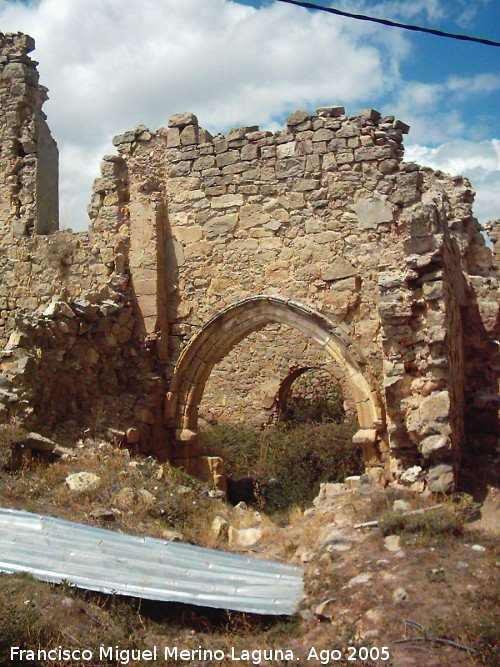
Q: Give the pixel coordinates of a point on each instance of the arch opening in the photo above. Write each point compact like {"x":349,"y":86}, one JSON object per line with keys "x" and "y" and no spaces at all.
{"x":312,"y":393}
{"x":231,"y":326}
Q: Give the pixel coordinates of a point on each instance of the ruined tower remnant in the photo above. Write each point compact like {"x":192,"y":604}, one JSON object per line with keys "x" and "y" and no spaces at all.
{"x":321,"y":231}
{"x":28,"y":153}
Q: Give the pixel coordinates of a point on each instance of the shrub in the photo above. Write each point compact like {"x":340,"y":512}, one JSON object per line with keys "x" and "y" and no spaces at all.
{"x":316,"y":405}
{"x":435,"y":522}
{"x":480,"y":622}
{"x":287,"y":463}
{"x":10,"y":435}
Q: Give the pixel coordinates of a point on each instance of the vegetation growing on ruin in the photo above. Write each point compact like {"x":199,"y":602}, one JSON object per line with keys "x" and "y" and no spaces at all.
{"x":316,"y":405}
{"x":311,"y":444}
{"x":288,"y":462}
{"x":443,"y":521}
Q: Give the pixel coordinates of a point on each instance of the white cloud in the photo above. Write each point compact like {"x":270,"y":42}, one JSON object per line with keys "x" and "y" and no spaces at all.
{"x":478,"y":161}
{"x":432,"y":10}
{"x":113,"y":64}
{"x":436,"y":111}
{"x":481,"y":83}
{"x":78,"y":166}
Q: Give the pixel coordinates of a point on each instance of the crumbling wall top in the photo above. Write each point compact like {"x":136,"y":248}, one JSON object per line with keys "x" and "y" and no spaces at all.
{"x":28,"y":153}
{"x":16,"y":44}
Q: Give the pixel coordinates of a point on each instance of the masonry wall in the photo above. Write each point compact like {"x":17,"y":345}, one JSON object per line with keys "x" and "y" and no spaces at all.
{"x":245,"y":385}
{"x":47,"y":180}
{"x":325,"y":213}
{"x":383,"y":258}
{"x":258,"y":213}
{"x":28,"y":157}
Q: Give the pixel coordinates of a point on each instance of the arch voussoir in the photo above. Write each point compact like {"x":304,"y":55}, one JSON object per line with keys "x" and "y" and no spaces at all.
{"x":231,"y":326}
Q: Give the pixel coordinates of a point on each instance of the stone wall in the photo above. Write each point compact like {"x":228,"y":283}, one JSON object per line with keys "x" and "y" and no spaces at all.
{"x":245,"y":385}
{"x":249,"y":256}
{"x":28,"y":153}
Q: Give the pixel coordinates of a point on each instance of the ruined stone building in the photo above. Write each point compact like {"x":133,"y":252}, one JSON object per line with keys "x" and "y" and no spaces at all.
{"x":251,"y":257}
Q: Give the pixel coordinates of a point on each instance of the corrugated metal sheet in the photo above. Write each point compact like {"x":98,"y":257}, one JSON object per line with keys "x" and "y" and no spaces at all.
{"x":56,"y":550}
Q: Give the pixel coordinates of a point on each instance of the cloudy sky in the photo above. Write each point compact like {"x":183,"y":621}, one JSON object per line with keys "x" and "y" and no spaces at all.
{"x":113,"y":64}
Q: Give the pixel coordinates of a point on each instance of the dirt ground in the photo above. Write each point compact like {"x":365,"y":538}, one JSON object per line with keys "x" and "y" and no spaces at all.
{"x":405,"y":593}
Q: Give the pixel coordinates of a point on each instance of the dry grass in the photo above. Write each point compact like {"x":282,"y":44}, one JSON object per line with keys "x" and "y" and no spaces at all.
{"x":449,"y":599}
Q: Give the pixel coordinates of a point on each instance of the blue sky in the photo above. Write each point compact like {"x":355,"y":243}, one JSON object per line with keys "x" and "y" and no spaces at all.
{"x":113,"y":64}
{"x":431,"y":60}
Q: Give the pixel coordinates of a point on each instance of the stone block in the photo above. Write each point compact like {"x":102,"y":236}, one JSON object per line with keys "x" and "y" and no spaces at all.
{"x":126,"y":138}
{"x":286,"y":150}
{"x":289,"y":167}
{"x":204,"y":137}
{"x":296,"y":118}
{"x":344,"y":156}
{"x":213,"y":469}
{"x":423,"y":222}
{"x":229,"y":157}
{"x":82,"y":481}
{"x":365,"y":436}
{"x":204,"y":162}
{"x":182,"y":120}
{"x":441,"y":479}
{"x":220,"y":145}
{"x":390,"y":280}
{"x":220,"y":226}
{"x":399,"y":125}
{"x":249,"y":152}
{"x":370,"y":153}
{"x":388,"y":166}
{"x":306,"y":184}
{"x":189,"y":135}
{"x":129,"y":498}
{"x":436,"y":447}
{"x":329,"y":492}
{"x":244,"y":537}
{"x":331,"y":111}
{"x":373,"y":212}
{"x":323,"y":135}
{"x":370,"y":114}
{"x":339,"y":269}
{"x":436,"y":407}
{"x":411,"y":475}
{"x":179,"y":169}
{"x":227,"y":201}
{"x":220,"y":527}
{"x":133,"y":435}
{"x":252,"y":215}
{"x":236,"y":133}
{"x":17,"y":339}
{"x":329,"y":162}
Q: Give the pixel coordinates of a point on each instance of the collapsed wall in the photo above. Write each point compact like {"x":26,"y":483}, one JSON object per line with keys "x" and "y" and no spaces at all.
{"x":354,"y":258}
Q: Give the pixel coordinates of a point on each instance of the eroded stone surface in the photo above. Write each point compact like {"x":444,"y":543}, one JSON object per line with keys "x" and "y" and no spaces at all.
{"x":372,"y":270}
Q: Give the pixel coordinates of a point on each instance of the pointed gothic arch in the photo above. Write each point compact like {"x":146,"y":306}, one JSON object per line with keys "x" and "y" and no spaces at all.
{"x":231,"y":326}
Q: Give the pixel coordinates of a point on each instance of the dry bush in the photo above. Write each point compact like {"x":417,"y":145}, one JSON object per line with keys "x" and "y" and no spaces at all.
{"x":288,"y":463}
{"x":10,"y":435}
{"x":436,"y":522}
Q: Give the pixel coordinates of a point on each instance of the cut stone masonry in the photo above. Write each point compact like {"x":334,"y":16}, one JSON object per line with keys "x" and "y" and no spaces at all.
{"x":319,"y":237}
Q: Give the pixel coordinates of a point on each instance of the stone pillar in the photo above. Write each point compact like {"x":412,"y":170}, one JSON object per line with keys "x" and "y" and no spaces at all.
{"x":148,"y":265}
{"x":28,"y":153}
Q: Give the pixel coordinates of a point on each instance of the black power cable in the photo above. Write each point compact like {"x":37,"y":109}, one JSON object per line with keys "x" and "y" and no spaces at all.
{"x":392,"y":24}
